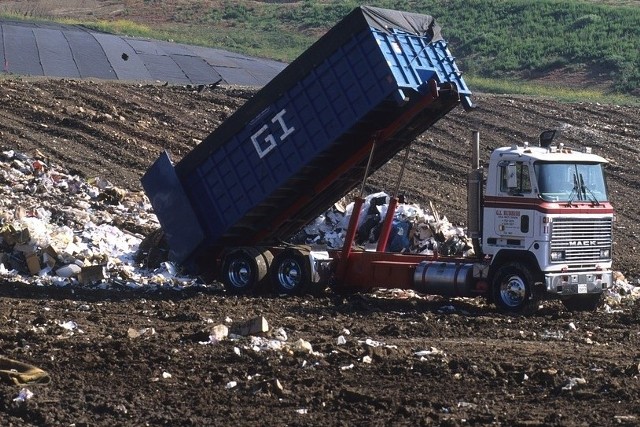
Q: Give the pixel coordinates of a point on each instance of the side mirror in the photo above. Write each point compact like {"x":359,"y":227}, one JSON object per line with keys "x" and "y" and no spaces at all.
{"x":546,"y":137}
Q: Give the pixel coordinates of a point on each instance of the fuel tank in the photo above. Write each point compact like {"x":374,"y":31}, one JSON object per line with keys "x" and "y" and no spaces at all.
{"x":445,"y":278}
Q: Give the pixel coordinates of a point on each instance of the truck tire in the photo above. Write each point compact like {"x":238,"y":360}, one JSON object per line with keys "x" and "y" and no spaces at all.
{"x":588,"y":302}
{"x":291,"y":272}
{"x":513,"y":289}
{"x":244,"y":269}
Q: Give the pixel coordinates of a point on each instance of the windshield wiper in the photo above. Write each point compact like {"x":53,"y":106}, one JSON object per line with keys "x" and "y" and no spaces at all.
{"x":586,"y":190}
{"x":574,"y":191}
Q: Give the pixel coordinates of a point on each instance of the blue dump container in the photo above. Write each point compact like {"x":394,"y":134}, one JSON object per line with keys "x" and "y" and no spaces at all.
{"x":303,"y":141}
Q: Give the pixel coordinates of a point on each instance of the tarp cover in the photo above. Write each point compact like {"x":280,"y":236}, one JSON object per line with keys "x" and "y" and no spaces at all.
{"x":415,"y":23}
{"x":55,"y":54}
{"x":56,"y":50}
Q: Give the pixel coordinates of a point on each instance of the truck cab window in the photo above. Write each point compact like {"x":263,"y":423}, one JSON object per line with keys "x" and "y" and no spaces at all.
{"x":520,"y":181}
{"x":563,"y":182}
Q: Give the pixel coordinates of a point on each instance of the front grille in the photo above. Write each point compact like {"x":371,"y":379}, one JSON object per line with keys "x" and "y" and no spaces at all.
{"x":582,"y":238}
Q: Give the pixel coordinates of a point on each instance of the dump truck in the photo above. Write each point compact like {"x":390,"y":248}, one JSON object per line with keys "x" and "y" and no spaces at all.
{"x":357,"y":97}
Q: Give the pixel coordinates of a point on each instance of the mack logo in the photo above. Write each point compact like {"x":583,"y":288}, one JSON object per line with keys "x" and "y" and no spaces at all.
{"x":583,"y":243}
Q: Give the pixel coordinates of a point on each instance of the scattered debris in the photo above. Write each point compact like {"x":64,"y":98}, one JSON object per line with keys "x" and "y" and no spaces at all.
{"x":375,"y":344}
{"x":431,"y":352}
{"x":280,"y":334}
{"x":621,"y":292}
{"x":573,"y":383}
{"x":469,"y":405}
{"x":16,"y":372}
{"x":302,"y":346}
{"x":219,"y":332}
{"x":137,"y":333}
{"x":252,"y":326}
{"x":271,"y":386}
{"x":69,"y":325}
{"x":551,"y":335}
{"x":626,"y":419}
{"x":261,"y":344}
{"x":24,"y":395}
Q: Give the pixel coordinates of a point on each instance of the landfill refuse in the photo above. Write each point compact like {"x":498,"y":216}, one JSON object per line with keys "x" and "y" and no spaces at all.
{"x":59,"y":229}
{"x":25,"y":394}
{"x":17,"y":372}
{"x":414,"y":230}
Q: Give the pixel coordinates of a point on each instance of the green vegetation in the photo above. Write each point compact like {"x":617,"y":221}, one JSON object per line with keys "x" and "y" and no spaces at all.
{"x":559,"y":93}
{"x":491,"y":39}
{"x":526,"y":37}
{"x":122,"y":26}
{"x":518,"y":39}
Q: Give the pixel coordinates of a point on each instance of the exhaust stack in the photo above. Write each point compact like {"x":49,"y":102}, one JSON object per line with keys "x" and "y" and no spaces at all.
{"x":475,"y":179}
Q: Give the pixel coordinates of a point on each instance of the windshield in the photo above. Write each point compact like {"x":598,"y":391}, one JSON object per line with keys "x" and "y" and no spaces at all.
{"x":569,"y":182}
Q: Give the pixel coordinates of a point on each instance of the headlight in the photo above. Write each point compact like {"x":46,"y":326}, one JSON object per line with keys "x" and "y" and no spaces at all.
{"x":605,"y":253}
{"x":557,"y":256}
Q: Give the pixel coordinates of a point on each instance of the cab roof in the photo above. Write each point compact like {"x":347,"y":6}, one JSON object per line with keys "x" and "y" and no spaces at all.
{"x":547,"y":154}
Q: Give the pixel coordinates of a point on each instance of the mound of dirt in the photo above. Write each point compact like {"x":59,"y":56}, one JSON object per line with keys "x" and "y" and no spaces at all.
{"x":143,"y":357}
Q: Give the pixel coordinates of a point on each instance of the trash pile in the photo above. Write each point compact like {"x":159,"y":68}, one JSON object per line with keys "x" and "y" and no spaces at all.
{"x":622,"y":292}
{"x":59,"y":229}
{"x":414,"y":230}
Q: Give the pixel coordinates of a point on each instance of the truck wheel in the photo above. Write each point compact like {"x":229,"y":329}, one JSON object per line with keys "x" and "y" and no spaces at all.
{"x":243,"y":269}
{"x":513,"y":289}
{"x":588,"y":302}
{"x":291,"y":272}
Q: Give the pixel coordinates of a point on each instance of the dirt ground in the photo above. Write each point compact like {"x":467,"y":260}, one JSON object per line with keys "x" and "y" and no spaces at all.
{"x":145,"y":357}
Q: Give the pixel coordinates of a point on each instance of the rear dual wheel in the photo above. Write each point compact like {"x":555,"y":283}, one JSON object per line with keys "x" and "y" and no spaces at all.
{"x":245,"y":270}
{"x":291,"y":272}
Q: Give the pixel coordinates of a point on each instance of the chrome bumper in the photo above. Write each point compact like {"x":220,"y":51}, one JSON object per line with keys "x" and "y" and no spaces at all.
{"x":589,"y":282}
